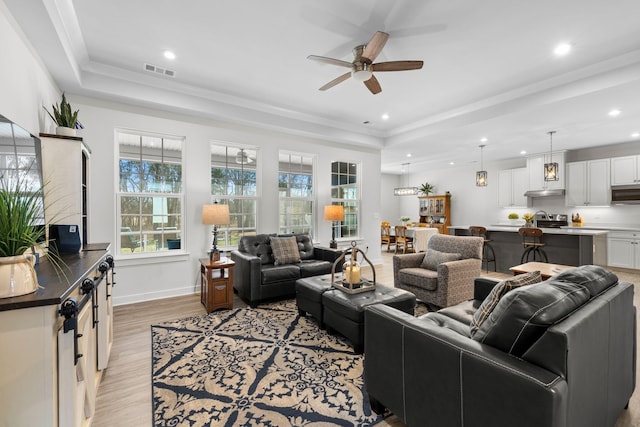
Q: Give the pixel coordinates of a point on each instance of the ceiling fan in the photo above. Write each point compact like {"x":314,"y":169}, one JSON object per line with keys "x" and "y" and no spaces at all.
{"x":362,"y":67}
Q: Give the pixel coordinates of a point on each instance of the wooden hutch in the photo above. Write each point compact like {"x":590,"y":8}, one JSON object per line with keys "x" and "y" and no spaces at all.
{"x":436,"y":211}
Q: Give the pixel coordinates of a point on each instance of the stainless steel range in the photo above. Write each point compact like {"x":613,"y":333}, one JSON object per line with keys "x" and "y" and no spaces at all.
{"x":545,"y":220}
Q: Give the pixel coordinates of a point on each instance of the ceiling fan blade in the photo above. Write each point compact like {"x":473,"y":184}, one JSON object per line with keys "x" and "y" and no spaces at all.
{"x":335,"y":81}
{"x":375,"y":45}
{"x":331,"y":61}
{"x":373,"y":85}
{"x":397,"y":65}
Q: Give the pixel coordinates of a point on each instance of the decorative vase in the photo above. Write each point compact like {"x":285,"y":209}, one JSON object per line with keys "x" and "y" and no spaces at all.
{"x":65,"y":131}
{"x":17,"y":276}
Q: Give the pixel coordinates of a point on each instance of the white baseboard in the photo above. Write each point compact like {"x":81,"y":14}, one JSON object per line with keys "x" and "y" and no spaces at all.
{"x":150,"y":296}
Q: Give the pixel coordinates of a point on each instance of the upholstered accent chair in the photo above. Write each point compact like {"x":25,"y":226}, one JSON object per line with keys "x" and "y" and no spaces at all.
{"x":444,"y":275}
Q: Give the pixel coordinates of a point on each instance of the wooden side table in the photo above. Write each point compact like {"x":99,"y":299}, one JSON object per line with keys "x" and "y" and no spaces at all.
{"x":216,"y":284}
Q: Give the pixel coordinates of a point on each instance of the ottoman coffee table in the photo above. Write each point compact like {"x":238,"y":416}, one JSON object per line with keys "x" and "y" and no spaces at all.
{"x":344,"y":312}
{"x":309,"y":292}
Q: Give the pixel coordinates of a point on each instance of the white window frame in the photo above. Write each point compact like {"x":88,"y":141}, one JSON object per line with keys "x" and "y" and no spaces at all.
{"x":229,"y":234}
{"x":141,"y":237}
{"x":288,"y":199}
{"x":352,"y":206}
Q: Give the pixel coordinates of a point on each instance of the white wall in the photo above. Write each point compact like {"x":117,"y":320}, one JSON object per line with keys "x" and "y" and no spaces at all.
{"x":142,"y":278}
{"x":390,"y":206}
{"x":25,"y":84}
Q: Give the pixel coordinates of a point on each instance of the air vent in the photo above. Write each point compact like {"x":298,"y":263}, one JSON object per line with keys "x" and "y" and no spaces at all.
{"x":159,"y":70}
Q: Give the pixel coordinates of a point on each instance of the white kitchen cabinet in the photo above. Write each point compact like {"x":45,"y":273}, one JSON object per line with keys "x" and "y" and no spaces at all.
{"x":512,"y":184}
{"x":623,"y":248}
{"x":588,"y":183}
{"x":535,"y":167}
{"x":625,"y":170}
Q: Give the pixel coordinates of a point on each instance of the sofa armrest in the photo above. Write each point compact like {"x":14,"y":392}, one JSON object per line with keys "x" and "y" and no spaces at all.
{"x":323,"y":253}
{"x":482,"y":286}
{"x":247,"y":275}
{"x":456,"y":279}
{"x":423,"y":369}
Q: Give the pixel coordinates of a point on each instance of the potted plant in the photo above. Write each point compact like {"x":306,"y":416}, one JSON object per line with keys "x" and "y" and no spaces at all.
{"x":404,"y":220}
{"x":528,"y":219}
{"x":513,"y":217}
{"x":65,"y":118}
{"x":20,"y":208}
{"x":426,"y":189}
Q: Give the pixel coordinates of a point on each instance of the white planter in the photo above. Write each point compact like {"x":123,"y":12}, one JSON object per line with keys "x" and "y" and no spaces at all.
{"x":17,"y":276}
{"x":65,"y":131}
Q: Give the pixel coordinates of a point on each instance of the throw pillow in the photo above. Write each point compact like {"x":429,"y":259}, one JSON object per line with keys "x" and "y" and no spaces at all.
{"x":498,"y":291}
{"x":285,"y":250}
{"x":433,"y":258}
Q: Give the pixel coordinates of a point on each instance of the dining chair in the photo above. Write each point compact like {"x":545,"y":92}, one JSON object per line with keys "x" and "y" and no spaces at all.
{"x":402,"y":240}
{"x":385,"y":235}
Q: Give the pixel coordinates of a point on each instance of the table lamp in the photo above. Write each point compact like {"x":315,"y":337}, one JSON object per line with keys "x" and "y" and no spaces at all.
{"x":333,"y":213}
{"x":216,"y":214}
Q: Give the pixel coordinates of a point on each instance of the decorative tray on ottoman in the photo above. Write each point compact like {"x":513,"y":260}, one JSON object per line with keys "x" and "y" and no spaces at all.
{"x":351,"y":280}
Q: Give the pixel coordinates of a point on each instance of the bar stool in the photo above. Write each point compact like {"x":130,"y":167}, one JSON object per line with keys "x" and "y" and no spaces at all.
{"x":532,"y":242}
{"x":488,"y":254}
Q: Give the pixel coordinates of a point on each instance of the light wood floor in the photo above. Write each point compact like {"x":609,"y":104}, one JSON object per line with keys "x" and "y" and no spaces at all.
{"x":124,"y":397}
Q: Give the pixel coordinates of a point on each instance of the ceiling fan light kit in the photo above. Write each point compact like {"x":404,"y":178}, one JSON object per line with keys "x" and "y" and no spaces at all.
{"x":362,"y":66}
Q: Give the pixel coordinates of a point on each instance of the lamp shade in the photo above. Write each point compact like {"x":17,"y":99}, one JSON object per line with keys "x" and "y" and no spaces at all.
{"x":216,"y":214}
{"x":333,"y":213}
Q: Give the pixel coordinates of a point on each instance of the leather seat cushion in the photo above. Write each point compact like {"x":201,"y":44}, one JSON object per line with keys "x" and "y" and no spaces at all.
{"x":525,"y":313}
{"x":351,"y":306}
{"x":462,"y":312}
{"x":314,"y":267}
{"x":312,"y":288}
{"x":419,"y":277}
{"x":279,"y":273}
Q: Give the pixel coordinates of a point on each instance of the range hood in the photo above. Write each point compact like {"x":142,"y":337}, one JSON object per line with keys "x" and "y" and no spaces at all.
{"x":544,"y":193}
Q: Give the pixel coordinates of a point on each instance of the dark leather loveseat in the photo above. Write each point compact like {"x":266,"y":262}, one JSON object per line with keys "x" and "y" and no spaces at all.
{"x":257,"y":277}
{"x":559,"y":353}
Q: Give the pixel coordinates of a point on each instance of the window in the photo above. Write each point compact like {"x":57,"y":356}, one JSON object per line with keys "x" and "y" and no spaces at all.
{"x":234,"y":182}
{"x":345,"y":191}
{"x":295,"y":192}
{"x":150,"y":192}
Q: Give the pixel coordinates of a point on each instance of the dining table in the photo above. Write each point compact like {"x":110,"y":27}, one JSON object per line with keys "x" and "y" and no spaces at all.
{"x":420,"y":235}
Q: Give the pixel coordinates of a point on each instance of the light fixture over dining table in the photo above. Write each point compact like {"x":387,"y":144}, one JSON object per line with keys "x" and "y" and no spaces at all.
{"x":408,"y":190}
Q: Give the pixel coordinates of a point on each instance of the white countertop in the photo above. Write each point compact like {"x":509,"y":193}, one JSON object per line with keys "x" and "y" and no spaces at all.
{"x":608,"y":227}
{"x":576,"y":231}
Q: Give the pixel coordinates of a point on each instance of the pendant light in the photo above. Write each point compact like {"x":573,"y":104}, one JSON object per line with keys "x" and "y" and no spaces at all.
{"x":481,"y":175}
{"x":405,"y":191}
{"x":551,"y":168}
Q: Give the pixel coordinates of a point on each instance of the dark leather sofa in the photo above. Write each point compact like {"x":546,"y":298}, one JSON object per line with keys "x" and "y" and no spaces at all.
{"x":256,"y":277}
{"x":560,"y":353}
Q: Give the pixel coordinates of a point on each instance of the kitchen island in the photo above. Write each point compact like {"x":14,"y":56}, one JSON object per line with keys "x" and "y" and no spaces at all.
{"x":568,"y":246}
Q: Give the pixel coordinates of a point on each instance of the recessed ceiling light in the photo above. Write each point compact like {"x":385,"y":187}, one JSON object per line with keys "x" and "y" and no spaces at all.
{"x":484,"y":140}
{"x":169,"y":55}
{"x":409,"y":154}
{"x":635,"y":134}
{"x":523,"y":152}
{"x":562,"y":49}
{"x":385,"y":116}
{"x":451,"y":163}
{"x":614,"y":113}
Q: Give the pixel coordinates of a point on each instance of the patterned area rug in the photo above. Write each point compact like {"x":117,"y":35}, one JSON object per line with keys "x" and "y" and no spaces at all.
{"x":256,"y":367}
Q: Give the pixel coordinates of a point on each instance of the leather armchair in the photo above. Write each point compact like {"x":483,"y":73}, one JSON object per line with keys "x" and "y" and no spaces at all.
{"x":452,"y":282}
